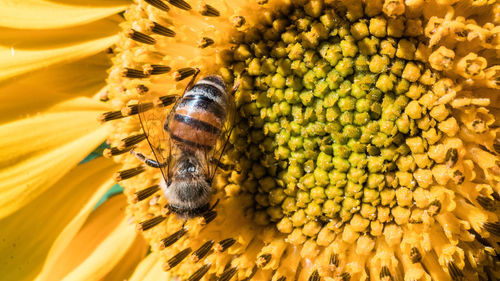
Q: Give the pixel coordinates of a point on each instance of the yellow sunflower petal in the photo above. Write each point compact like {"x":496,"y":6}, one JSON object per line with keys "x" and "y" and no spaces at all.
{"x":40,"y":14}
{"x":150,"y":269}
{"x":125,"y":266}
{"x":104,"y":239}
{"x":38,"y":151}
{"x":22,"y":51}
{"x":28,"y":234}
{"x":40,"y":90}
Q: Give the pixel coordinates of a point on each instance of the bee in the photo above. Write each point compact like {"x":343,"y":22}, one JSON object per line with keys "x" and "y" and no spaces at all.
{"x":188,"y":144}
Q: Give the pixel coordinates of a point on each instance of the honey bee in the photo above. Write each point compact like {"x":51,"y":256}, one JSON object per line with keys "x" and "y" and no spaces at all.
{"x":188,"y":143}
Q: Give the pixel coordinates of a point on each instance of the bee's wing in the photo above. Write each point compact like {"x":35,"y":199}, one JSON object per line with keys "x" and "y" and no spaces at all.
{"x":217,"y":153}
{"x":152,"y":119}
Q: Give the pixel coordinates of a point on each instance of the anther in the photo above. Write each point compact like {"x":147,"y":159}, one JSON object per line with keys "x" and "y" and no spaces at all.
{"x":434,"y":207}
{"x":136,"y":108}
{"x":183,"y":73}
{"x":334,"y":261}
{"x":415,"y":255}
{"x":162,"y":30}
{"x":202,"y":251}
{"x":346,"y":276}
{"x":130,"y":141}
{"x":487,"y":203}
{"x":205,"y":42}
{"x":111,"y":115}
{"x":180,"y":4}
{"x":134,"y":73}
{"x":113,"y":151}
{"x":141,"y":89}
{"x":166,"y":100}
{"x":314,"y":276}
{"x":145,"y":225}
{"x":238,"y":21}
{"x":479,"y":126}
{"x":209,"y":216}
{"x":454,"y":271}
{"x":126,"y":174}
{"x":493,"y":228}
{"x":209,"y":11}
{"x":145,"y":193}
{"x":175,"y":260}
{"x":451,"y":157}
{"x":158,"y":4}
{"x":385,"y":274}
{"x":222,"y":245}
{"x":282,"y":278}
{"x":263,"y":260}
{"x":262,"y":2}
{"x":156,"y":69}
{"x":228,"y":274}
{"x":140,"y":37}
{"x":199,"y":273}
{"x":458,"y":177}
{"x":168,"y":241}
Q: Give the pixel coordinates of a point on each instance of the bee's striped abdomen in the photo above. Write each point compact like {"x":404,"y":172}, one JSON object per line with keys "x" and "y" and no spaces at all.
{"x":199,"y":117}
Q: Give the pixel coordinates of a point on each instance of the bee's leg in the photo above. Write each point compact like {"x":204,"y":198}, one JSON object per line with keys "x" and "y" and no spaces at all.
{"x":225,"y":167}
{"x":237,"y":84}
{"x":147,"y":161}
{"x":191,"y":82}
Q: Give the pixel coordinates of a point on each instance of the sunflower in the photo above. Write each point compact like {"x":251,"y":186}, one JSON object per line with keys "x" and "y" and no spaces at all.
{"x":364,"y":144}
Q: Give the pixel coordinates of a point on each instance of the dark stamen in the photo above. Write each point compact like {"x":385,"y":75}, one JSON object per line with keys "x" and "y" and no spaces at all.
{"x":209,"y":11}
{"x":334,"y":260}
{"x":496,"y":146}
{"x":111,"y":115}
{"x":136,"y":108}
{"x":314,"y":276}
{"x":166,"y":100}
{"x":141,"y":37}
{"x":162,"y":30}
{"x":415,"y":255}
{"x":209,"y":216}
{"x":126,"y":174}
{"x":165,"y":242}
{"x":130,"y":141}
{"x":180,"y":4}
{"x":205,"y":42}
{"x":145,"y":225}
{"x":493,"y":228}
{"x":252,"y":274}
{"x":282,"y":278}
{"x":158,"y":4}
{"x":346,"y":276}
{"x":113,"y":151}
{"x":199,"y":273}
{"x":487,"y":203}
{"x":238,"y":21}
{"x":222,"y":245}
{"x":134,"y":73}
{"x":228,"y":274}
{"x":385,"y":273}
{"x":156,"y":69}
{"x":145,"y":193}
{"x":451,"y":157}
{"x":454,"y":271}
{"x":264,"y":259}
{"x":183,"y":73}
{"x":175,"y":260}
{"x":202,"y":251}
